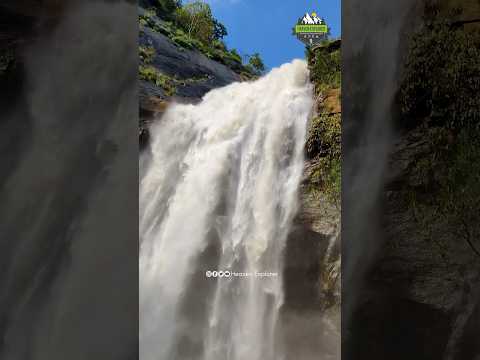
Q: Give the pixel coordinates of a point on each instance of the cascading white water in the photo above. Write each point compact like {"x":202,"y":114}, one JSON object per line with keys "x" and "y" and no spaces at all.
{"x":220,"y":189}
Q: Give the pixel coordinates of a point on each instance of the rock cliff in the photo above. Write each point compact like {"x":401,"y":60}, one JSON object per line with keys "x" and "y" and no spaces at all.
{"x":176,"y":68}
{"x":415,"y":288}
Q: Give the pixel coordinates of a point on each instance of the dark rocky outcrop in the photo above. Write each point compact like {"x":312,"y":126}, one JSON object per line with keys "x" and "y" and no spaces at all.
{"x":199,"y":73}
{"x":193,"y":73}
{"x":425,"y":258}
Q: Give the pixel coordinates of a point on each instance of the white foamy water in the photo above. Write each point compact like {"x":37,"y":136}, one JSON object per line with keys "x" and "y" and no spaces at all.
{"x":219,"y":192}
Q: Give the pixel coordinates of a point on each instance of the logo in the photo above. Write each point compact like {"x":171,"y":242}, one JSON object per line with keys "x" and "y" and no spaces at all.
{"x":311,"y":30}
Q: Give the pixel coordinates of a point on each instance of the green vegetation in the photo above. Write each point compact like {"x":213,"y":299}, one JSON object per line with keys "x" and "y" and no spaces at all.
{"x":197,"y":21}
{"x":192,"y":26}
{"x":148,"y":20}
{"x":324,"y":136}
{"x":151,"y":74}
{"x":219,"y":30}
{"x":442,"y":79}
{"x":325,"y":67}
{"x":147,"y":54}
{"x":323,"y":144}
{"x":448,"y":191}
{"x":167,"y":83}
{"x":440,"y":96}
{"x":256,"y":63}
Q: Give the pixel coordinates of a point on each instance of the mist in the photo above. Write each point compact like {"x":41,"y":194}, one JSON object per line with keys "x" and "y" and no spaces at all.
{"x":68,"y":199}
{"x":372,"y":52}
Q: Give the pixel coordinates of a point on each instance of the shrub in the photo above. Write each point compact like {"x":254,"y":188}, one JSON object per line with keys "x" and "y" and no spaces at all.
{"x":147,"y":54}
{"x":219,"y":45}
{"x":194,"y":27}
{"x":165,"y":28}
{"x":324,"y":137}
{"x":185,"y":41}
{"x":324,"y":145}
{"x":151,"y":74}
{"x":325,"y":67}
{"x":235,"y":56}
{"x":326,"y":178}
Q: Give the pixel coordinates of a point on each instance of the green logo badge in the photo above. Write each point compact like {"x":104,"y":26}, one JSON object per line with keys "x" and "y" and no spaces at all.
{"x":311,"y":30}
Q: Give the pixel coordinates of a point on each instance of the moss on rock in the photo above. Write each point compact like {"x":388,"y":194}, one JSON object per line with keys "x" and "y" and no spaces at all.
{"x":153,"y":75}
{"x":323,"y":144}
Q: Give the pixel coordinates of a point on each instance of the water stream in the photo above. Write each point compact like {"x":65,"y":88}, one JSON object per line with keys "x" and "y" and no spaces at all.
{"x":219,"y":193}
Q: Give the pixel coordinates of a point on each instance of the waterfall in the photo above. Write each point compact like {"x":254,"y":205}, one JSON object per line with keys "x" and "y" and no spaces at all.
{"x":219,"y":193}
{"x":371,"y":53}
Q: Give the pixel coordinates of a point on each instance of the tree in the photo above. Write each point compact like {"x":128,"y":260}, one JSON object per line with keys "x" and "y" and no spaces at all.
{"x":256,"y":62}
{"x":197,"y":20}
{"x":219,"y":30}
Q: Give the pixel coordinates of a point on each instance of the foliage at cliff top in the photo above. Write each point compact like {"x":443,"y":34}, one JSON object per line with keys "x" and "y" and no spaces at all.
{"x":323,"y":144}
{"x":192,"y":26}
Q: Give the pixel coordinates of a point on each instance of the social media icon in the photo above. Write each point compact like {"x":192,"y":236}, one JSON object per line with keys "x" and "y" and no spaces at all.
{"x":208,"y":274}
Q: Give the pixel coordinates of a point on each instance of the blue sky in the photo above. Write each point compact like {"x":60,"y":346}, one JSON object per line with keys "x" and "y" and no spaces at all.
{"x":276,"y":45}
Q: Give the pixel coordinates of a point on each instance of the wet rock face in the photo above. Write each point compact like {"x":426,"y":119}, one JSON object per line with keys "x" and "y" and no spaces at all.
{"x":420,"y":292}
{"x":317,"y":212}
{"x":186,"y":64}
{"x":398,"y":329}
{"x":196,"y":73}
{"x":310,"y":315}
{"x":312,"y":254}
{"x":425,"y":258}
{"x":303,"y":267}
